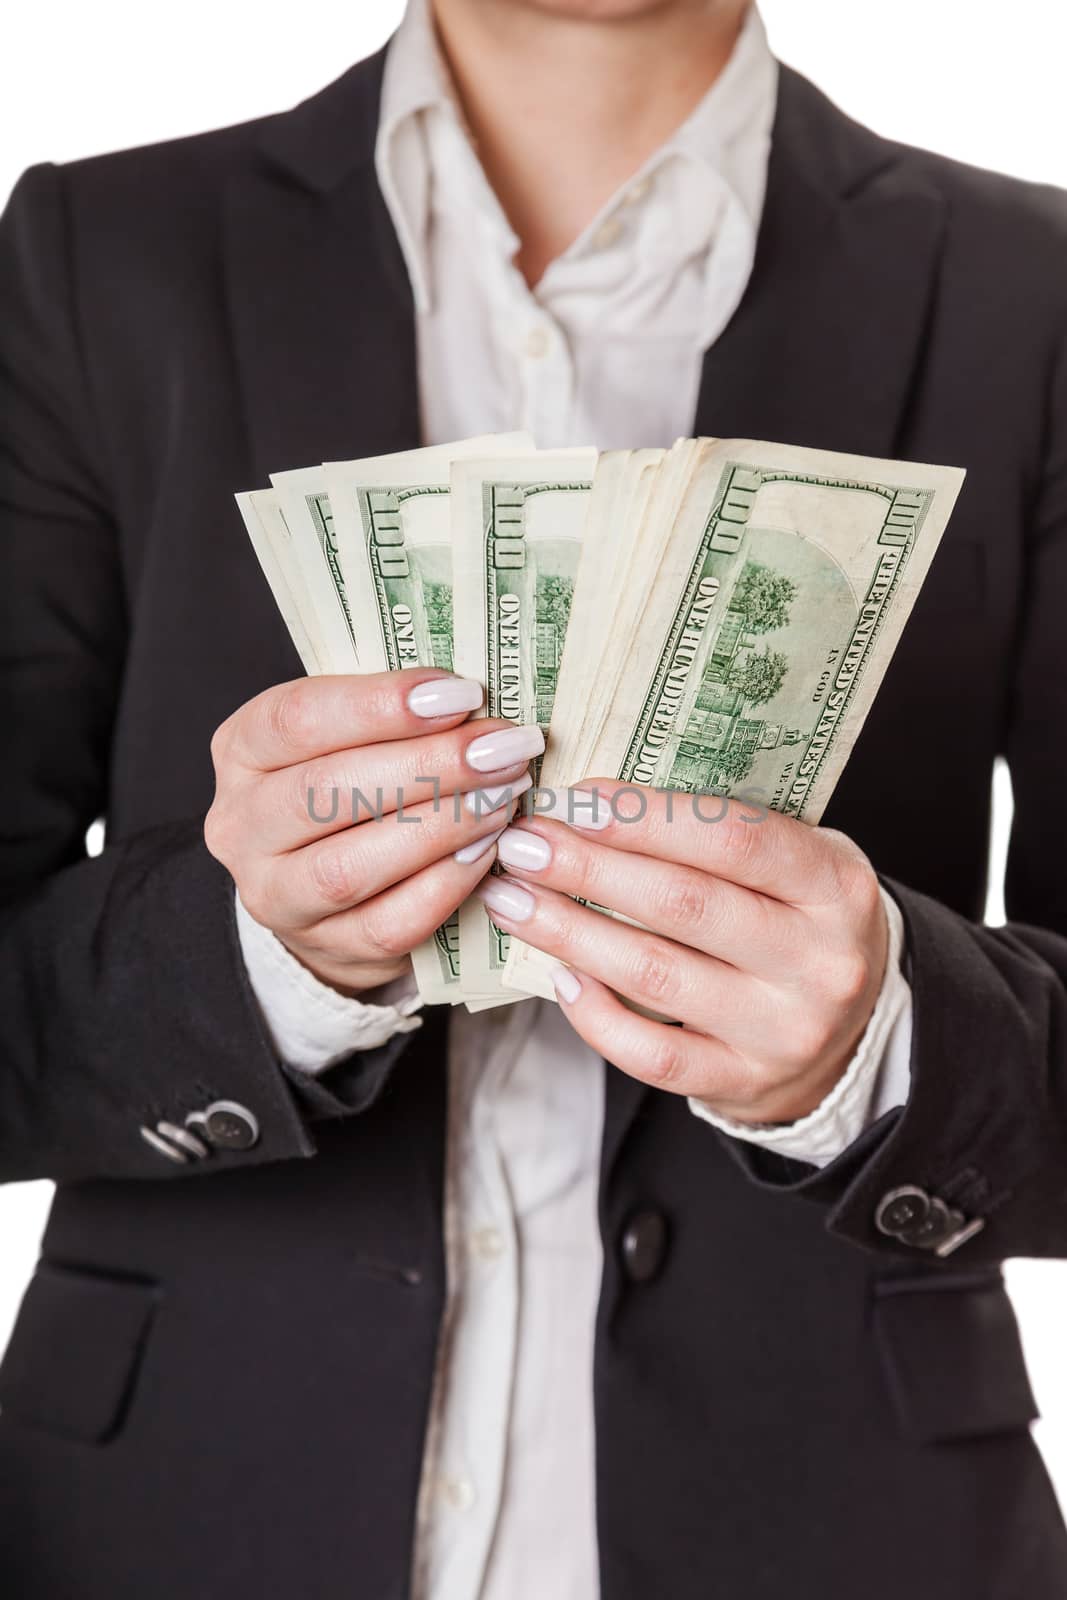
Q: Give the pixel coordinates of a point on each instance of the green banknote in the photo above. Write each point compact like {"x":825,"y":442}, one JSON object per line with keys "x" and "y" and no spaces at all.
{"x":273,"y":544}
{"x":712,"y":620}
{"x":774,"y":603}
{"x":517,"y":527}
{"x":307,"y":512}
{"x":393,"y":540}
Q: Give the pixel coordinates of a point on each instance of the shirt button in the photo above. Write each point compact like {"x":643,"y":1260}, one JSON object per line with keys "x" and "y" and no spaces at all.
{"x":607,"y":234}
{"x":488,"y":1243}
{"x":457,"y":1492}
{"x":537,"y":343}
{"x":637,"y":191}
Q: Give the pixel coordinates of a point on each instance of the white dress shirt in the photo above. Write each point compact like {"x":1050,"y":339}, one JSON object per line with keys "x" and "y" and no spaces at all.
{"x":607,"y":349}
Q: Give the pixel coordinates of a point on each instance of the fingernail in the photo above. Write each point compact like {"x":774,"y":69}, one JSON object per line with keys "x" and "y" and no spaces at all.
{"x":480,"y":801}
{"x":471,"y":852}
{"x":445,"y":697}
{"x":566,"y":983}
{"x":579,"y":808}
{"x":518,"y":848}
{"x":508,"y":900}
{"x":504,"y":746}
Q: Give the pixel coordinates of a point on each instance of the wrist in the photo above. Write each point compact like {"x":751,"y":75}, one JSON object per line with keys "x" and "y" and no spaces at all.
{"x":784,"y":1103}
{"x":355,"y":980}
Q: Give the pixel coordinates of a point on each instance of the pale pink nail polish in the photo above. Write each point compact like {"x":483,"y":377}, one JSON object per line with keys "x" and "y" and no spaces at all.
{"x":479,"y":802}
{"x":504,"y":746}
{"x":445,"y":697}
{"x":474,"y":851}
{"x":567,"y":984}
{"x":578,"y":808}
{"x":506,"y":899}
{"x":519,"y":848}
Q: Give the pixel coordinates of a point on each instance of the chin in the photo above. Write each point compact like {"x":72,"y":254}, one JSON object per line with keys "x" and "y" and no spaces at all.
{"x":600,"y":10}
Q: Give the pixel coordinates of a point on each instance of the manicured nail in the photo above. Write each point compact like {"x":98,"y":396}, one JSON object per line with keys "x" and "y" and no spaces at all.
{"x":445,"y":697}
{"x":519,"y":848}
{"x":471,"y":852}
{"x":481,"y":801}
{"x":566,"y":983}
{"x":508,"y":900}
{"x":504,"y":746}
{"x":578,"y":808}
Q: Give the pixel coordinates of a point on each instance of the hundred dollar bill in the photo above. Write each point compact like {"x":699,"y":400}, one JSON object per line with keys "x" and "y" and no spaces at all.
{"x":391,"y":531}
{"x":305,"y":505}
{"x":272,"y":543}
{"x":517,"y":527}
{"x":631,"y":490}
{"x":773,"y":607}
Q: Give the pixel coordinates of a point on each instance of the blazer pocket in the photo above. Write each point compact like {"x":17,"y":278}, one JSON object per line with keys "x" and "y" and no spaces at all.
{"x":952,"y":1356}
{"x":72,"y":1360}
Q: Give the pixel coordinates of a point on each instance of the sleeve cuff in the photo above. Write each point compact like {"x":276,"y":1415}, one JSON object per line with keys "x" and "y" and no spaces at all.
{"x":877,"y":1079}
{"x":311,"y":1026}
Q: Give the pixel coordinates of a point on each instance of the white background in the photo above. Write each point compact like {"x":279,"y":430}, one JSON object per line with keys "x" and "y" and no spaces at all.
{"x":976,"y":79}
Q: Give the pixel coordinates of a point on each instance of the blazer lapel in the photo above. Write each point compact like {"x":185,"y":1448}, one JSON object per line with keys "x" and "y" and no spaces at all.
{"x":826,"y":345}
{"x":318,"y":291}
{"x":827,"y":342}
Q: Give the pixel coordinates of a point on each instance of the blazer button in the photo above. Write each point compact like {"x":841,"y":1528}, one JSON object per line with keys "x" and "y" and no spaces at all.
{"x":902,"y":1209}
{"x":644,"y":1245}
{"x":924,"y":1222}
{"x":227,"y":1125}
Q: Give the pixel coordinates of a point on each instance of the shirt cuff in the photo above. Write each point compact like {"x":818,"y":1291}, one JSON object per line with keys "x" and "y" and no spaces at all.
{"x":312,"y":1026}
{"x":877,"y":1080}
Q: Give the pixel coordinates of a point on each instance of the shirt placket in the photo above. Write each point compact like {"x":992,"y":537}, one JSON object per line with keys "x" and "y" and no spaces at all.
{"x":465,"y":1456}
{"x":546,"y":374}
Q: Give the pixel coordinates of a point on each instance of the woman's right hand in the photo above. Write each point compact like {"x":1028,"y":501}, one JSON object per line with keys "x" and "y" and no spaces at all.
{"x":354,"y":812}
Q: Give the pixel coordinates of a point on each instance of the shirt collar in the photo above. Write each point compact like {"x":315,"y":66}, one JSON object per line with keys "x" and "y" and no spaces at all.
{"x":416,"y":76}
{"x":736,"y":113}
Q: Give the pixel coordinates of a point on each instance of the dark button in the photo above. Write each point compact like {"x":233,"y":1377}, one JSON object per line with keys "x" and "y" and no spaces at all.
{"x":923,"y":1221}
{"x":644,"y":1245}
{"x":228,"y":1126}
{"x":937,"y":1224}
{"x":901,"y":1209}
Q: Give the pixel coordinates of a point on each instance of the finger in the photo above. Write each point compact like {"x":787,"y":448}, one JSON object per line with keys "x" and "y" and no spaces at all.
{"x":696,"y":909}
{"x":293,"y":892}
{"x":673,"y":1059}
{"x":309,"y":717}
{"x":688,"y":987}
{"x":287,"y":809}
{"x":396,"y":921}
{"x":742,"y":842}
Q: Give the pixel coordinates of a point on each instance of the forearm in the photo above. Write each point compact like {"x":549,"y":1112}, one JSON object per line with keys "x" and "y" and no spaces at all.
{"x":984,"y":1130}
{"x":126,"y":1003}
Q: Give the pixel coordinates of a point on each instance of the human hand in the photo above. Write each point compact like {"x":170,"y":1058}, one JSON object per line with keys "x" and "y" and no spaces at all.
{"x":302,"y":772}
{"x":764,"y":937}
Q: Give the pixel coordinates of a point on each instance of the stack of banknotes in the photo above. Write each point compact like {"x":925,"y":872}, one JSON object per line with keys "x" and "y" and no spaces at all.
{"x":715,"y":618}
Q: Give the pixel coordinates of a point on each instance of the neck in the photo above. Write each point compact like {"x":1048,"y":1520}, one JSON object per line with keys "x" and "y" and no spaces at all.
{"x":565,"y":107}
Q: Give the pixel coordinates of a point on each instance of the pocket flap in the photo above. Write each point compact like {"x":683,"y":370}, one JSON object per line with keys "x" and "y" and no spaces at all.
{"x":952,"y":1354}
{"x":73,"y":1355}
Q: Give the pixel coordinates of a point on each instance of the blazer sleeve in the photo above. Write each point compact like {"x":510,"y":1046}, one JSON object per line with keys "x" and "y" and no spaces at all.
{"x":123,"y":998}
{"x":973,"y":1168}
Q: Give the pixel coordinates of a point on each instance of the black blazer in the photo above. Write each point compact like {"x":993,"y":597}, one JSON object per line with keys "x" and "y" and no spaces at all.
{"x":219,"y":1382}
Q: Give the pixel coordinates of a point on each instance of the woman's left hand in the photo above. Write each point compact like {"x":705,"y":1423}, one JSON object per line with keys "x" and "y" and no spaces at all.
{"x":763,"y":937}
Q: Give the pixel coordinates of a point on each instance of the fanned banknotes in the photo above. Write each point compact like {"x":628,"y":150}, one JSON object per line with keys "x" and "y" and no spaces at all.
{"x":715,"y":618}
